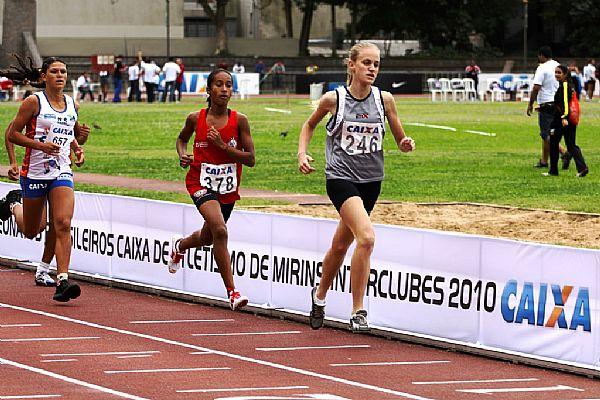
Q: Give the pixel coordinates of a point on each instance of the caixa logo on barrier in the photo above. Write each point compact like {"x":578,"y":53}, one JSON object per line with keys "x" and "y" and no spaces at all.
{"x":527,"y":304}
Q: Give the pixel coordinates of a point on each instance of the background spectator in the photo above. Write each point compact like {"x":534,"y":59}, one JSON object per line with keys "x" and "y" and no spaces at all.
{"x":150,"y":72}
{"x":472,"y":71}
{"x":83,"y":86}
{"x":103,"y":85}
{"x":278,"y":69}
{"x":134,"y":82}
{"x":238,"y":68}
{"x":171,"y":70}
{"x":179,"y":79}
{"x":589,"y":79}
{"x":118,"y":78}
{"x":576,"y":79}
{"x":312,"y":68}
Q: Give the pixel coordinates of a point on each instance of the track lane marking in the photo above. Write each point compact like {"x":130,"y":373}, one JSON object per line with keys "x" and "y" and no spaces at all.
{"x":242,"y":389}
{"x":179,"y":321}
{"x":149,"y":371}
{"x":108,"y":353}
{"x":136,"y":356}
{"x":343,"y":346}
{"x":248,"y":333}
{"x":19,"y":326}
{"x":71,"y":380}
{"x":61,"y":360}
{"x":477,"y":381}
{"x":221,"y":353}
{"x":389,"y":363}
{"x":513,"y":390}
{"x":50,"y":339}
{"x":31,"y":396}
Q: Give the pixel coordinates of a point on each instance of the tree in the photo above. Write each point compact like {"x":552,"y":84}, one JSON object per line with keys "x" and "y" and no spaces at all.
{"x":307,"y":7}
{"x":289,"y":27}
{"x":218,"y":18}
{"x":584,"y":34}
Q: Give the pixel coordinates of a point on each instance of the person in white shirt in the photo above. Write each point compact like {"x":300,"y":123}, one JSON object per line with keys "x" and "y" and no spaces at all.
{"x":134,"y":82}
{"x":171,"y":70}
{"x":83,"y":86}
{"x":589,"y":79}
{"x":544,"y":88}
{"x":150,"y":72}
{"x":238,"y":68}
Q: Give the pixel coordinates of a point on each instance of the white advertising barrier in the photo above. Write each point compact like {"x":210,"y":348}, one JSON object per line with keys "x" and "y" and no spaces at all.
{"x":506,"y":81}
{"x":532,"y":299}
{"x":195,"y":83}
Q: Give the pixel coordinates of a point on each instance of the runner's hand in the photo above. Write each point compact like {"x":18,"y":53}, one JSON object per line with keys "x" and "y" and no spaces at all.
{"x":304,"y":161}
{"x":407,"y":144}
{"x":50,"y":148}
{"x":83,"y":133}
{"x":185,"y":160}
{"x":13,"y":172}
{"x":529,"y":110}
{"x":80,"y":156}
{"x":214,"y":137}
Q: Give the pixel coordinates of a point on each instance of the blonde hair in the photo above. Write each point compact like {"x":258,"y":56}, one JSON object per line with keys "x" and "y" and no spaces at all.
{"x":353,"y":55}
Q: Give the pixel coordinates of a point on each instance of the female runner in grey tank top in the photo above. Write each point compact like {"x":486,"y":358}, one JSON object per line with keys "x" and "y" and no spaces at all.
{"x":354,"y":172}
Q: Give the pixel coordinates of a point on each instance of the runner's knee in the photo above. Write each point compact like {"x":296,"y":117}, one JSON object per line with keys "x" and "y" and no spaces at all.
{"x":366,"y":240}
{"x":219,"y":233}
{"x":62,"y":225}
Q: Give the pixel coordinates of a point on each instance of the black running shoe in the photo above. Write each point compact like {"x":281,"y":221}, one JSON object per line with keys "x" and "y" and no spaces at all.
{"x":66,"y":291}
{"x":566,"y":160}
{"x":359,"y":322}
{"x":14,"y":196}
{"x":540,"y":164}
{"x":317,"y":312}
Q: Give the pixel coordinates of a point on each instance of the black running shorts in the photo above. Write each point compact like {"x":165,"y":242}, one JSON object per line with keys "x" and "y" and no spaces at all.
{"x":226,"y":209}
{"x":340,"y":190}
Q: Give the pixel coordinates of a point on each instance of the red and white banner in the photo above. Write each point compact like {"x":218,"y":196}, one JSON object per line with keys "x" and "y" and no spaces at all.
{"x":532,"y":299}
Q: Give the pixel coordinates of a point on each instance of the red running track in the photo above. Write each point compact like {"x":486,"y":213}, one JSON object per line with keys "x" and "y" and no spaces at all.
{"x":119,"y":344}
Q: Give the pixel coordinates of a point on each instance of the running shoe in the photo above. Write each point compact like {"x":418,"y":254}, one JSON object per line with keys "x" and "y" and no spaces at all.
{"x":317,"y":312}
{"x":583,"y":173}
{"x":359,"y":322}
{"x":540,"y":164}
{"x":44,"y":279}
{"x":66,"y":291}
{"x":5,"y":213}
{"x":236,"y":300}
{"x":566,"y":159}
{"x":176,"y":256}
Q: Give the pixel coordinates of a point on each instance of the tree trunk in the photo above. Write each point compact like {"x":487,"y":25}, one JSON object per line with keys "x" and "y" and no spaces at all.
{"x":353,"y":17}
{"x":306,"y":23}
{"x":333,"y":33}
{"x":19,"y":16}
{"x":289,"y":27}
{"x":221,"y":28}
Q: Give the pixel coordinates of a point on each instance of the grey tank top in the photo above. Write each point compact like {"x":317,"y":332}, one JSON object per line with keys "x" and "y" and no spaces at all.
{"x":354,"y":146}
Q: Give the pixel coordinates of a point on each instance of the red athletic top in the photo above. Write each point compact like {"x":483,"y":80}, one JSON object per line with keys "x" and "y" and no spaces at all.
{"x":212,"y":168}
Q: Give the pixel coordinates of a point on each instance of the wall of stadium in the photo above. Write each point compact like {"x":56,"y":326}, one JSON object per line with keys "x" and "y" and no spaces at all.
{"x":514,"y":297}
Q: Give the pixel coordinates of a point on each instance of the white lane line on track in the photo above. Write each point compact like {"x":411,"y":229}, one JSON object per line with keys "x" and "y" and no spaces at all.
{"x":19,"y":326}
{"x":477,"y":381}
{"x":136,"y":356}
{"x":31,"y":396}
{"x":60,"y":360}
{"x":389,"y":363}
{"x":109,"y":353}
{"x":279,"y":110}
{"x":50,"y":339}
{"x":71,"y":380}
{"x":247,"y":333}
{"x":446,"y":128}
{"x":344,"y":346}
{"x":222,"y":353}
{"x":246,"y":389}
{"x":481,"y":133}
{"x":179,"y":321}
{"x":197,"y":353}
{"x":513,"y":390}
{"x":149,"y":371}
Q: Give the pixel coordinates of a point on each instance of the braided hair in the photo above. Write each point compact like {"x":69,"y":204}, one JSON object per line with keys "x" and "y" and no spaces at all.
{"x":26,"y":72}
{"x":211,"y":78}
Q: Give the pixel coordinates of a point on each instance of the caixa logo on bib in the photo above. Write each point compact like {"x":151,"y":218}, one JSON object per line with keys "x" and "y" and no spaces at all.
{"x":527,"y":304}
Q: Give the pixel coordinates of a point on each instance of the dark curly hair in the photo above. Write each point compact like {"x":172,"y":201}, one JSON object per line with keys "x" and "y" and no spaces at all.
{"x":26,"y":72}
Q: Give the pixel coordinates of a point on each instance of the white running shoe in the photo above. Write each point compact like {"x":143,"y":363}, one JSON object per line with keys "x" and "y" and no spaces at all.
{"x":44,"y":279}
{"x":236,"y":300}
{"x":176,"y":256}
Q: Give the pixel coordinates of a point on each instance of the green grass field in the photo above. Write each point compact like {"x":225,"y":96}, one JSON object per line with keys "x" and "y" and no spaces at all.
{"x":139,"y":140}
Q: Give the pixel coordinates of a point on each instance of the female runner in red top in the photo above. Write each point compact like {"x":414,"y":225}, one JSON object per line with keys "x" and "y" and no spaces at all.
{"x":222,"y":143}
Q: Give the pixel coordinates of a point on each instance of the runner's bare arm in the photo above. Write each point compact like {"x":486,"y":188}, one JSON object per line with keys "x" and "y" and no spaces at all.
{"x":79,"y":154}
{"x":244,"y":156}
{"x":404,"y":143}
{"x":81,"y":131}
{"x":186,"y":133}
{"x":13,"y":172}
{"x":327,"y":104}
{"x":28,"y":109}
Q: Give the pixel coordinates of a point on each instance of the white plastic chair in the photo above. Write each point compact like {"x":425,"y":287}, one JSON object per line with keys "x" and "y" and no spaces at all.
{"x":458,"y":89}
{"x":75,"y":89}
{"x":470,"y":92}
{"x":431,"y":85}
{"x":523,"y":89}
{"x":445,"y":88}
